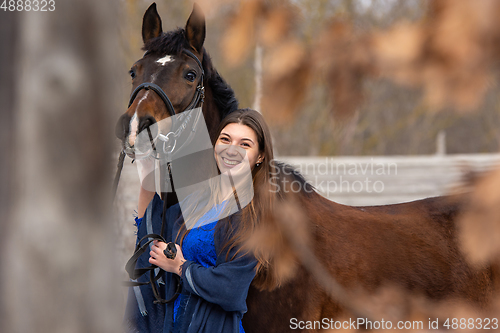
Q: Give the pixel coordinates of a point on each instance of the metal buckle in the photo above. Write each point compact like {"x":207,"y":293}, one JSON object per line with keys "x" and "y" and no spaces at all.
{"x":169,"y":146}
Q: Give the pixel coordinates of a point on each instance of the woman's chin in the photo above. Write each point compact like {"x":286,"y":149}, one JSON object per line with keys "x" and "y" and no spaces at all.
{"x":226,"y":169}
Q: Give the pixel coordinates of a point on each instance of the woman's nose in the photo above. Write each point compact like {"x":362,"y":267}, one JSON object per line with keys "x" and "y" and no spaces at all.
{"x":232,"y":151}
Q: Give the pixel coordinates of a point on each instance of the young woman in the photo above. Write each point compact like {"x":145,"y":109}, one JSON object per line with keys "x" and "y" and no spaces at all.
{"x":215,"y":269}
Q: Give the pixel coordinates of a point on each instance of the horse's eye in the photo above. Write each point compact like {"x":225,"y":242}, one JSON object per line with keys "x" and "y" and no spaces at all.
{"x":191,"y":76}
{"x":132,"y":73}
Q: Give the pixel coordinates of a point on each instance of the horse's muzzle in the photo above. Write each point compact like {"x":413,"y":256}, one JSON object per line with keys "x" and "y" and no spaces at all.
{"x":141,"y":142}
{"x":140,"y":150}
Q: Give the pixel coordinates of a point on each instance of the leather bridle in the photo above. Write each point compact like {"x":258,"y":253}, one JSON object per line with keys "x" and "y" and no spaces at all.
{"x":169,"y":140}
{"x":169,"y":146}
{"x":198,"y":96}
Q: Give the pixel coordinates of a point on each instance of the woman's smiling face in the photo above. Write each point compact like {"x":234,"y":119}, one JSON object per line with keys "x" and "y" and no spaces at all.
{"x":235,"y":143}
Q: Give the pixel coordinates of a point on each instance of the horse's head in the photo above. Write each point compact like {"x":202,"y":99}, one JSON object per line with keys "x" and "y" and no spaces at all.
{"x":170,"y":67}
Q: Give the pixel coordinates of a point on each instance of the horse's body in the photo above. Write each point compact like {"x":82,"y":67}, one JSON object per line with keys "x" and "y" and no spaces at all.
{"x":413,"y":245}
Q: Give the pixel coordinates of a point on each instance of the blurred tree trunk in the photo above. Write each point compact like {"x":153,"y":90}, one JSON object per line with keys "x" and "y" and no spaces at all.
{"x":57,"y":267}
{"x":8,"y":38}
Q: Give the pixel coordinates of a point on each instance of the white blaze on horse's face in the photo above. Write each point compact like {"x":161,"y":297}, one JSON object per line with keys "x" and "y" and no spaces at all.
{"x":134,"y":123}
{"x":165,"y":59}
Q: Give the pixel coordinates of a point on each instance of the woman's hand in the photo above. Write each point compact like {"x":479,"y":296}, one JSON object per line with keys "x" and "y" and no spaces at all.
{"x":159,"y":259}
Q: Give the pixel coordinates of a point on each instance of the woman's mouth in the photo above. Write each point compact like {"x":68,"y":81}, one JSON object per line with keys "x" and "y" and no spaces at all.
{"x":230,"y":163}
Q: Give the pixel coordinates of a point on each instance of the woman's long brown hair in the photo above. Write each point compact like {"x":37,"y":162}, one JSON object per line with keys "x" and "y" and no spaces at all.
{"x":262,"y":202}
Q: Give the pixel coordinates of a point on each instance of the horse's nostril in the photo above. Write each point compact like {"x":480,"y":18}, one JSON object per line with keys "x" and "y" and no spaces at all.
{"x":146,"y":122}
{"x":121,"y":129}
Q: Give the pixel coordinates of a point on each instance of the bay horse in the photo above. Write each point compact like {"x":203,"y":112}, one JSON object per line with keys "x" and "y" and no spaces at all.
{"x":411,"y":245}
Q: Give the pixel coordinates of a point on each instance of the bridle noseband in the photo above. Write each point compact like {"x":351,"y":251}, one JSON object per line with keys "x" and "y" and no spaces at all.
{"x":156,"y":88}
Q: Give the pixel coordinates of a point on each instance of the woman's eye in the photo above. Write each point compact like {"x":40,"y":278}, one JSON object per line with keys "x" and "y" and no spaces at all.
{"x":191,"y":76}
{"x":224,"y":139}
{"x":245,"y":145}
{"x":132,"y":73}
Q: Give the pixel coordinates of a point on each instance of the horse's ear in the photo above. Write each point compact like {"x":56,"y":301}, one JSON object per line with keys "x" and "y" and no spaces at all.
{"x":151,"y":24}
{"x":195,"y":28}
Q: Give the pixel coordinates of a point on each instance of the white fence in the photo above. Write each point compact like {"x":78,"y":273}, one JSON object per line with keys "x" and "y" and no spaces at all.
{"x":379,"y":180}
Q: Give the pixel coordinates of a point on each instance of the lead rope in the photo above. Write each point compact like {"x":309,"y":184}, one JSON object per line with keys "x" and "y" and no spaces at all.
{"x":163,"y":223}
{"x":135,"y":273}
{"x":119,"y":168}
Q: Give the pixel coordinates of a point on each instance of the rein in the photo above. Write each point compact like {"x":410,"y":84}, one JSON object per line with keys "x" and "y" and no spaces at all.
{"x":169,"y":146}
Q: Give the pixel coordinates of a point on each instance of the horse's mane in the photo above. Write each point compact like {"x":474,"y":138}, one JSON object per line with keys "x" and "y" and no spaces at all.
{"x":172,"y":43}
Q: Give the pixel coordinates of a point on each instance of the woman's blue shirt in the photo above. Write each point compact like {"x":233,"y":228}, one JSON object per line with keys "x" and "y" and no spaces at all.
{"x":205,"y":297}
